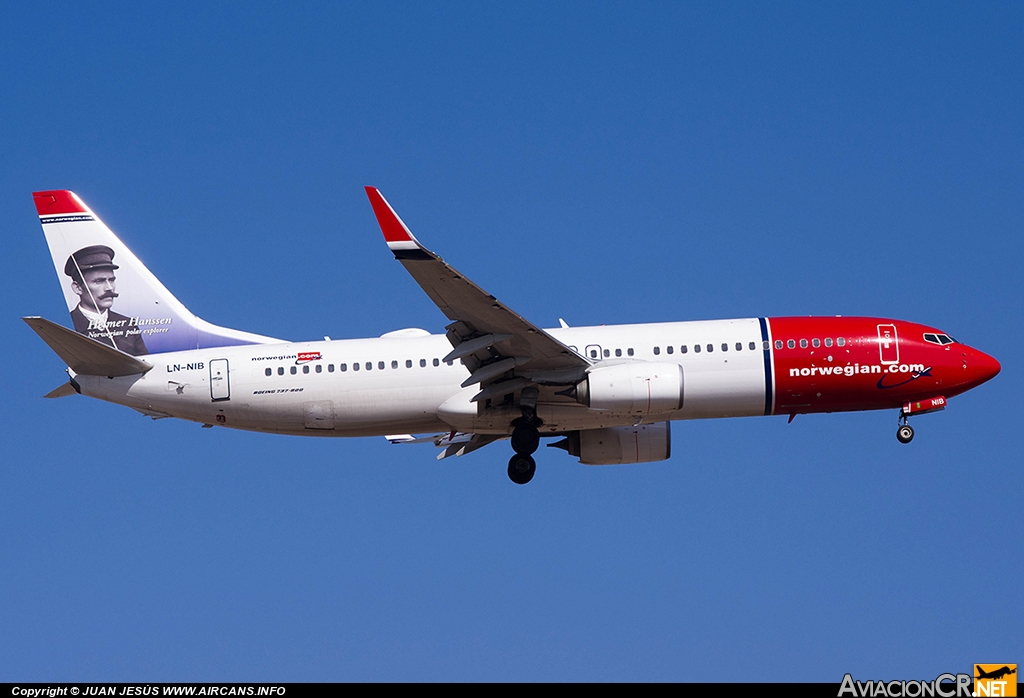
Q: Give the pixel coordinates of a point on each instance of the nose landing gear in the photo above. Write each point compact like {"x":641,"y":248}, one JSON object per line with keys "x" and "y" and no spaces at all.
{"x":905,"y":434}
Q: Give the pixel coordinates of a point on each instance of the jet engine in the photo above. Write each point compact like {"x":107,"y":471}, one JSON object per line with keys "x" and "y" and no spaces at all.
{"x":616,"y":445}
{"x":636,"y":387}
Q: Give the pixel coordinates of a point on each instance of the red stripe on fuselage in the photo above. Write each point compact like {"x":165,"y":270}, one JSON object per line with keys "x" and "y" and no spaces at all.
{"x":864,"y":373}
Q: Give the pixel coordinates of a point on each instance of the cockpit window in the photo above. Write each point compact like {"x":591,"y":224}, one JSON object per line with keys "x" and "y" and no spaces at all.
{"x":941,"y":339}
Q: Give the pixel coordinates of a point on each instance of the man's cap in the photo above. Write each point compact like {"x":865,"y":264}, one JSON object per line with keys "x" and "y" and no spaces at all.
{"x":92,"y":257}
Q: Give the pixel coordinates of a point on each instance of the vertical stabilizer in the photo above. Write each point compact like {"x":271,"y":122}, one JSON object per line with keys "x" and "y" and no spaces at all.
{"x":112,"y":297}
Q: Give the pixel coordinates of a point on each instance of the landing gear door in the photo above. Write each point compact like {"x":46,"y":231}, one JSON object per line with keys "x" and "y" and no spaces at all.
{"x":888,"y":344}
{"x":220,"y":388}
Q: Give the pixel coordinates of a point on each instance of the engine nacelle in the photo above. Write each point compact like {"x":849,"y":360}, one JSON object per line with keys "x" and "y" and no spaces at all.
{"x":616,"y":445}
{"x":636,"y":387}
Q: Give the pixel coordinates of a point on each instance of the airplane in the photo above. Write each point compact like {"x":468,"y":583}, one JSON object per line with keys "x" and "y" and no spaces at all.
{"x":994,"y":674}
{"x":609,"y":393}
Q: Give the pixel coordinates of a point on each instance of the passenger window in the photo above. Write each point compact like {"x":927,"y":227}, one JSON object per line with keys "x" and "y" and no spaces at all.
{"x":330,"y":368}
{"x":828,"y":341}
{"x":423,"y":363}
{"x":607,"y":353}
{"x":711,"y":348}
{"x":450,"y":363}
{"x":669,"y":349}
{"x":293,"y":370}
{"x":380,"y":365}
{"x":815,"y":343}
{"x":657,"y":350}
{"x":790,"y":344}
{"x":280,"y":370}
{"x":618,"y":352}
{"x":739,"y":346}
{"x":630,"y":351}
{"x":319,"y":368}
{"x":437,"y":362}
{"x":394,"y":364}
{"x":753,"y":346}
{"x":725,"y":346}
{"x":269,"y":372}
{"x":696,"y":348}
{"x":355,"y":366}
{"x":682,"y":349}
{"x":803,"y":343}
{"x":369,"y":365}
{"x":408,"y":363}
{"x":840,"y":342}
{"x":305,"y":369}
{"x":344,"y":367}
{"x":593,"y":353}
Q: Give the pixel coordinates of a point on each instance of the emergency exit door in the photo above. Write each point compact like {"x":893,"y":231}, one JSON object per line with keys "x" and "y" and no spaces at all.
{"x":220,"y":386}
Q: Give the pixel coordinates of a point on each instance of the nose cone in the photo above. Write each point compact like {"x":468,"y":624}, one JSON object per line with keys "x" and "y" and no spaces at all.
{"x":980,"y":367}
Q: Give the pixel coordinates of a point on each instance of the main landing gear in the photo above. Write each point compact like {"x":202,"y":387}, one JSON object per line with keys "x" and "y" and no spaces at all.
{"x":525,"y":440}
{"x":521,"y":468}
{"x":905,"y":432}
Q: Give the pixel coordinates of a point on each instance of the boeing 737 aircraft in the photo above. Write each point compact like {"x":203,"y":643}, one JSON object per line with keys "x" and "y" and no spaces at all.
{"x":609,"y":392}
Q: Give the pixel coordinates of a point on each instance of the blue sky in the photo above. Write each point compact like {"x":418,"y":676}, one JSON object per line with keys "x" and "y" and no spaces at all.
{"x":600,"y":162}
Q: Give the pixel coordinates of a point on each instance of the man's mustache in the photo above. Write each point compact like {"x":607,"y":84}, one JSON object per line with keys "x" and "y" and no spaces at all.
{"x":109,"y":294}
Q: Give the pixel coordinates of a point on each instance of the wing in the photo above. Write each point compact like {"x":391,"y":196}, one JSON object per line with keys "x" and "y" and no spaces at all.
{"x":456,"y":443}
{"x":503,"y":351}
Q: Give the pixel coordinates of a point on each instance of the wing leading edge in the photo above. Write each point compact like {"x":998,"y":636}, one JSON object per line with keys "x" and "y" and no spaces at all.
{"x":503,"y":351}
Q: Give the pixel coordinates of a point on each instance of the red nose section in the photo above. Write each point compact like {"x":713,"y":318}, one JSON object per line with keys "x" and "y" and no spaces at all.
{"x":980,"y":367}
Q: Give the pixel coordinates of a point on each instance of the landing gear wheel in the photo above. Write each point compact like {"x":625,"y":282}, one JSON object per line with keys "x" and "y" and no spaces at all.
{"x":521,"y":468}
{"x":525,"y":439}
{"x":905,"y":434}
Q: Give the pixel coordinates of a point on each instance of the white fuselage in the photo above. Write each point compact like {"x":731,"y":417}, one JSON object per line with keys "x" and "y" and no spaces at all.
{"x":402,"y":385}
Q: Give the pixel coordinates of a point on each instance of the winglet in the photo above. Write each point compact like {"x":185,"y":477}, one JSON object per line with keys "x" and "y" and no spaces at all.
{"x":400,"y":239}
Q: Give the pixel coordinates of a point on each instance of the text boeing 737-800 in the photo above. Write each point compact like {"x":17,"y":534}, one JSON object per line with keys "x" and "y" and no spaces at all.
{"x":610,"y":392}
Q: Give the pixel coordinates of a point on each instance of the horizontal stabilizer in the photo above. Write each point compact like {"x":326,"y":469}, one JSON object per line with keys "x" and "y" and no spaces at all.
{"x":62,"y":391}
{"x":84,"y":355}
